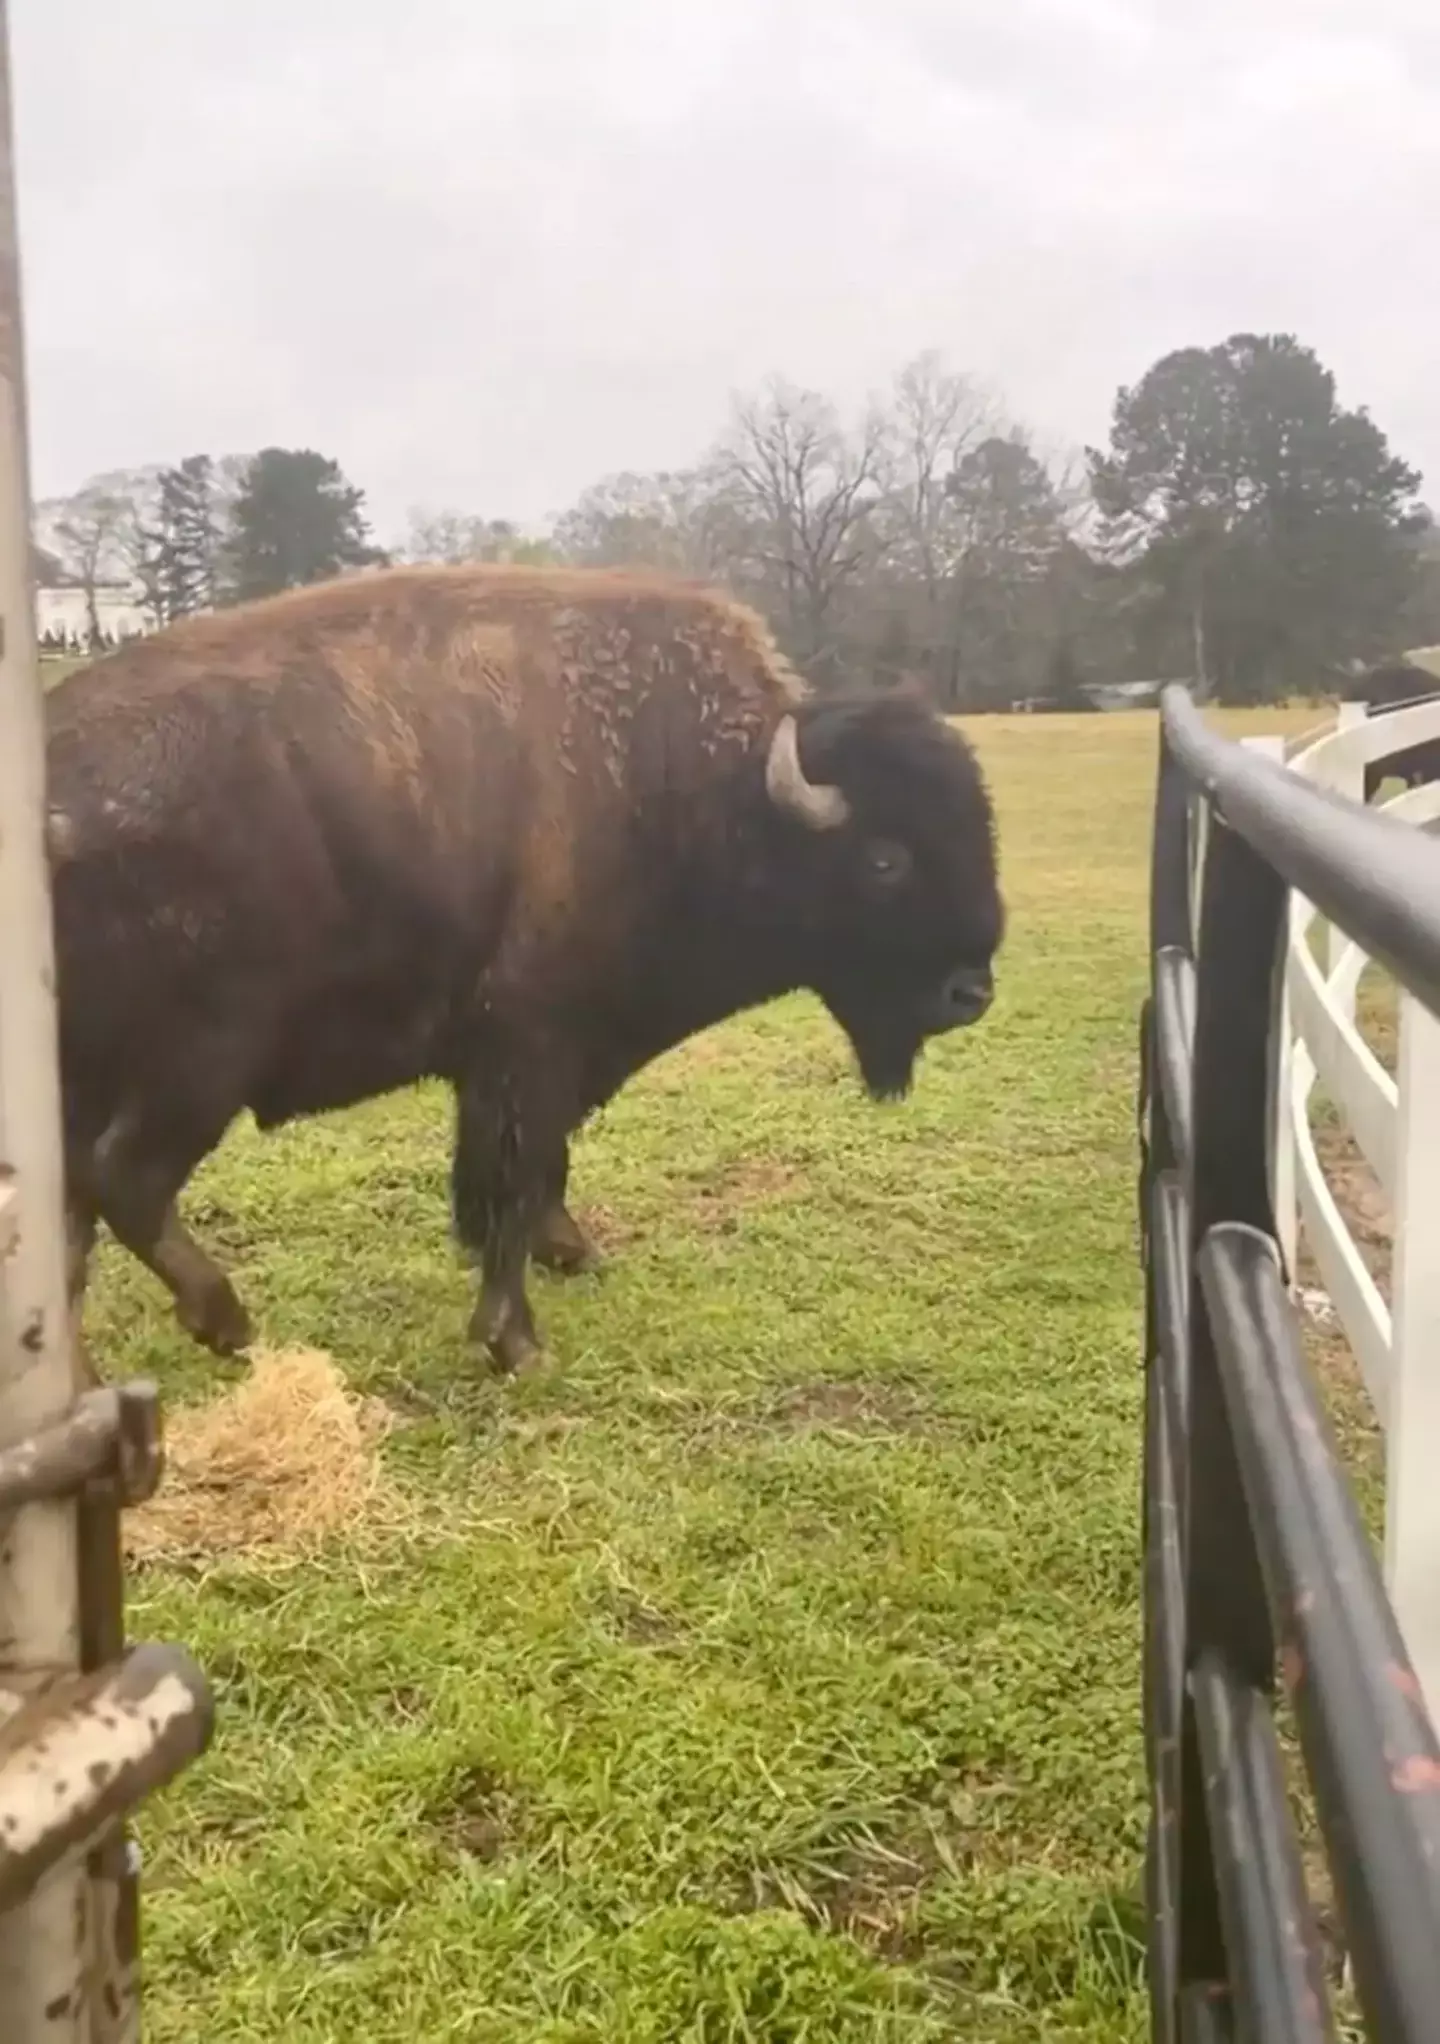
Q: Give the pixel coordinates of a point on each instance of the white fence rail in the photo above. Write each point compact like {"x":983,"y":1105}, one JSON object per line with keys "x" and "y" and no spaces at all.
{"x":1394,"y":1122}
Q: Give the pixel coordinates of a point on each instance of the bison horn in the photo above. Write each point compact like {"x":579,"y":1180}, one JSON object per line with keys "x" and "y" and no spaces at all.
{"x":820,"y":806}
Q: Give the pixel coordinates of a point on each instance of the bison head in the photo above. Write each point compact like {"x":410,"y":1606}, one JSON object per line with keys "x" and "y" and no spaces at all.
{"x":888,"y":873}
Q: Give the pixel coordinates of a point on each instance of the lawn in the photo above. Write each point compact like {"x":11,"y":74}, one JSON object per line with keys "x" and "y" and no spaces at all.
{"x":767,"y":1666}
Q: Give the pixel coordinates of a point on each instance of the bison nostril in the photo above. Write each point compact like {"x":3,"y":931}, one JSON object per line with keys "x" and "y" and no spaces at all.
{"x":968,"y":994}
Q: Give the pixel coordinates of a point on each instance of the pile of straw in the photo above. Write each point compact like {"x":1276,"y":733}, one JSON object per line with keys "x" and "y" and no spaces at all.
{"x":268,"y":1468}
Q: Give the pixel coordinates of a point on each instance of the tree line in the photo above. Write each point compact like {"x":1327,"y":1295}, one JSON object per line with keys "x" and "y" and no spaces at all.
{"x":1241,"y":528}
{"x":209,"y":532}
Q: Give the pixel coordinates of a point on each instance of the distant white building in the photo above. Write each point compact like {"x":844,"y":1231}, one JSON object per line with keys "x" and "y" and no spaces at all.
{"x":62,"y":611}
{"x":1123,"y":695}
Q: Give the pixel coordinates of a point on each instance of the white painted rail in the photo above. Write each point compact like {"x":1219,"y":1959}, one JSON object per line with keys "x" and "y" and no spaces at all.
{"x":1394,"y":1122}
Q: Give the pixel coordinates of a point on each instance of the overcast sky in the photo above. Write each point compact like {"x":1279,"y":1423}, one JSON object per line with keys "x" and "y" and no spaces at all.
{"x":483,"y":251}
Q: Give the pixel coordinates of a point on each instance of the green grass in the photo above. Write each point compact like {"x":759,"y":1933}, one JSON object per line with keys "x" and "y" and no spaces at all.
{"x":767,"y":1666}
{"x":55,"y":666}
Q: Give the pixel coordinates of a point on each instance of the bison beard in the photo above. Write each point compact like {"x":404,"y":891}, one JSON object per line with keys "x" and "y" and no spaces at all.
{"x":887,"y":1057}
{"x":888,"y":1037}
{"x":520,"y":830}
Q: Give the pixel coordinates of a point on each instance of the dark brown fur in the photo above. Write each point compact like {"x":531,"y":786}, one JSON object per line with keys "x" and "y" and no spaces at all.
{"x":507,"y":827}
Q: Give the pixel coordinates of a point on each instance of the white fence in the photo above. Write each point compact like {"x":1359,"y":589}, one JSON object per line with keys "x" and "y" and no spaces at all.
{"x":1395,"y":1124}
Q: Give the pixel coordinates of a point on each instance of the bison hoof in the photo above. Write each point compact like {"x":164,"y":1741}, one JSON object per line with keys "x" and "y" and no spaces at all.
{"x":217,"y":1320}
{"x":509,"y":1337}
{"x":561,"y":1245}
{"x":513,"y":1351}
{"x":565,"y":1256}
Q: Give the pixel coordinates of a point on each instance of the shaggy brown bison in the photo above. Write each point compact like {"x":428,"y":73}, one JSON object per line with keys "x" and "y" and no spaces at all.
{"x":522,"y":830}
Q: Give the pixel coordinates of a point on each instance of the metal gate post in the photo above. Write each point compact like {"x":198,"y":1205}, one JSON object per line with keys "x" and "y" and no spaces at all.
{"x":42,"y":1951}
{"x":87,"y":1728}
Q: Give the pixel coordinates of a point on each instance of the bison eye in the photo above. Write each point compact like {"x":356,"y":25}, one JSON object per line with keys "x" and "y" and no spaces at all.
{"x":886,"y":862}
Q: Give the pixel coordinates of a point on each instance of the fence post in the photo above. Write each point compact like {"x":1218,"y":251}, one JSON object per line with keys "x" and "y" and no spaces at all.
{"x":1197,"y":843}
{"x":1243,"y":906}
{"x":88,"y":1725}
{"x":1350,"y":781}
{"x":1412,"y":1493}
{"x":1282,"y":1134}
{"x":44,"y":1942}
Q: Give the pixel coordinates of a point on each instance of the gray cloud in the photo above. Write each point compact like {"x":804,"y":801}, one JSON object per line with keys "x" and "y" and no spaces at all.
{"x":482,"y":255}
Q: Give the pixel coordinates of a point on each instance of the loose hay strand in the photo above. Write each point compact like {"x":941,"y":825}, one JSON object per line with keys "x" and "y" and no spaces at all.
{"x":270,"y":1467}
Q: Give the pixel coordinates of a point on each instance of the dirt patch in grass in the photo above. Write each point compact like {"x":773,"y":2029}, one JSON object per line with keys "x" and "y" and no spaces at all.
{"x":218,"y":1225}
{"x":404,"y":1705}
{"x":869,"y":1891}
{"x":608,"y":1230}
{"x":717,"y":1205}
{"x":870,"y":1883}
{"x":842,"y":1408}
{"x":674,"y":1072}
{"x":639,"y":1622}
{"x":475,"y":1818}
{"x":271,"y":1467}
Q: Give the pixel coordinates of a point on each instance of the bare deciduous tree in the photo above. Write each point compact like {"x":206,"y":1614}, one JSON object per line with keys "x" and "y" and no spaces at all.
{"x":800,"y":494}
{"x":96,"y":537}
{"x":672,"y":521}
{"x":936,"y":417}
{"x":455,"y":536}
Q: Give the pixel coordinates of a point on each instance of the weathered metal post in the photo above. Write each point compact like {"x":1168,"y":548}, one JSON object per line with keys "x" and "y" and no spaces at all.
{"x":1348,"y":781}
{"x":41,"y":1956}
{"x":87,"y":1727}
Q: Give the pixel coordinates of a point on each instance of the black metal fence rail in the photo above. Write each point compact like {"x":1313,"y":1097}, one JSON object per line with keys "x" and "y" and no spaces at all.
{"x":1256,"y":1556}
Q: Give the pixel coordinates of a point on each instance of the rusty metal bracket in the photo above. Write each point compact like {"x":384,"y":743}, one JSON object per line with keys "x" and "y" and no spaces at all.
{"x":110,"y":1440}
{"x":83,"y":1751}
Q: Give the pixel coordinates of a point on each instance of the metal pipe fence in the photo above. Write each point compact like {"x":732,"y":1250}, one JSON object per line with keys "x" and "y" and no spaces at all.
{"x":1257,"y":1563}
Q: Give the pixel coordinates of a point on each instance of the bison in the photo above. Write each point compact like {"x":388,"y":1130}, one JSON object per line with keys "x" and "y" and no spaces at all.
{"x":1391,"y":686}
{"x":521,"y":830}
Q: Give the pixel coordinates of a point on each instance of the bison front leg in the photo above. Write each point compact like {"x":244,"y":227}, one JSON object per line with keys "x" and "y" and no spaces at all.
{"x":80,"y":1232}
{"x":560,"y":1243}
{"x":505,"y":1151}
{"x":132,"y":1180}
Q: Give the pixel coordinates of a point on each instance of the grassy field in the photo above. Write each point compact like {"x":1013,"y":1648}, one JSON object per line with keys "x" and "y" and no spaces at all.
{"x":767,"y":1667}
{"x":55,"y":666}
